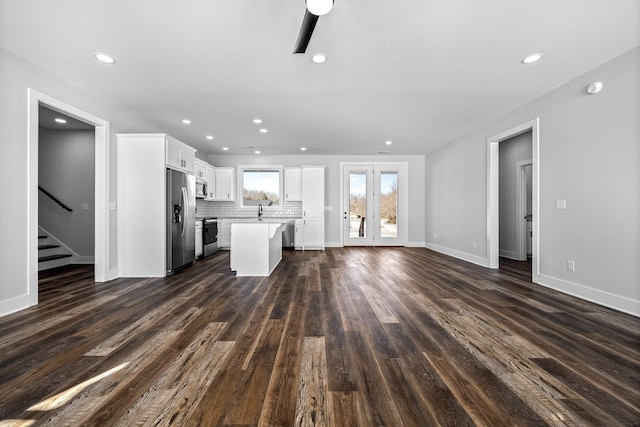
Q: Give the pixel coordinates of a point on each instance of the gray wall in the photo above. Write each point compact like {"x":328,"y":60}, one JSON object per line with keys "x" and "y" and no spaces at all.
{"x":67,"y":170}
{"x":589,"y":155}
{"x":512,"y":151}
{"x":333,"y":218}
{"x":16,"y":76}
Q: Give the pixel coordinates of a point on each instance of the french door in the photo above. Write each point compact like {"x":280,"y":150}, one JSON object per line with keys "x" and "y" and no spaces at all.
{"x":374,"y":204}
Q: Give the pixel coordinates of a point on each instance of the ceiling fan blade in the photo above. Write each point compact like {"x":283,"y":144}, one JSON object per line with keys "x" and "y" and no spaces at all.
{"x":306,"y":30}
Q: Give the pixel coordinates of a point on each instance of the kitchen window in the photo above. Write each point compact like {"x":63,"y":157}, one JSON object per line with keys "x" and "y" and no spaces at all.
{"x":261,"y":185}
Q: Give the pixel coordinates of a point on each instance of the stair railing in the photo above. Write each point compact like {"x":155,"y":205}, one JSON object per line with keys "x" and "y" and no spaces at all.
{"x":55,"y":199}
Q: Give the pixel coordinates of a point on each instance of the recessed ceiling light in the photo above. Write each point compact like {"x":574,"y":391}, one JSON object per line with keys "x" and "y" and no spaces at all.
{"x":186,"y":121}
{"x":257,"y":121}
{"x":103,"y":57}
{"x":257,"y":151}
{"x":534,"y":57}
{"x":225,"y":148}
{"x":263,"y":130}
{"x":59,"y":120}
{"x":318,"y":58}
{"x":303,"y":148}
{"x":209,"y":137}
{"x":388,"y":142}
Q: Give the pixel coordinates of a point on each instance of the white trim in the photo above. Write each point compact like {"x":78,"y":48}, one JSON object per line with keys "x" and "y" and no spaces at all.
{"x":474,"y":259}
{"x":617,"y":302}
{"x":403,"y":200}
{"x":102,"y":187}
{"x":333,"y":244}
{"x":240,"y":187}
{"x":521,"y":210}
{"x":14,"y":304}
{"x":493,"y":162}
{"x":415,"y":245}
{"x":509,"y":254}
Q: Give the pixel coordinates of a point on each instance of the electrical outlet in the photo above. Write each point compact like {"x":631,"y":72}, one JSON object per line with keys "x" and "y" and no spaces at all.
{"x":435,"y":236}
{"x":85,"y":206}
{"x":571,"y":265}
{"x":474,"y":244}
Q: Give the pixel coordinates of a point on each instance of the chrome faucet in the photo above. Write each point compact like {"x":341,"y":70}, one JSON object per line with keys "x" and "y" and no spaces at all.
{"x":260,"y":212}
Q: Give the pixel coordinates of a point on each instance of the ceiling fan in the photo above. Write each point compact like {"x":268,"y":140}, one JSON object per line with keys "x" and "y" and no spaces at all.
{"x":315,"y":9}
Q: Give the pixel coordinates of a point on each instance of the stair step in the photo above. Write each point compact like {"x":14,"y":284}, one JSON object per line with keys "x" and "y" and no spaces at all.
{"x":41,"y":247}
{"x":52,"y":257}
{"x":42,"y":237}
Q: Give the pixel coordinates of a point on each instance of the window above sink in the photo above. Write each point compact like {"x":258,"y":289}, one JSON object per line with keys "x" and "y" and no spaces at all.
{"x":260,"y":185}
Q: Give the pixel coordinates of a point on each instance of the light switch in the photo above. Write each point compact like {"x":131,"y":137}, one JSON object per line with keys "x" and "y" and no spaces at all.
{"x":561,"y":204}
{"x":85,"y":206}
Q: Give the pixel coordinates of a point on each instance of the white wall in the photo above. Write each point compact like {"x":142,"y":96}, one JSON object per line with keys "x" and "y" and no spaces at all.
{"x":67,"y":170}
{"x":589,"y":155}
{"x":333,"y":218}
{"x":512,"y":151}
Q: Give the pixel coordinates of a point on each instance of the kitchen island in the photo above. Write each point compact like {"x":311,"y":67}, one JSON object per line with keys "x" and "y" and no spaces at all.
{"x":256,"y":247}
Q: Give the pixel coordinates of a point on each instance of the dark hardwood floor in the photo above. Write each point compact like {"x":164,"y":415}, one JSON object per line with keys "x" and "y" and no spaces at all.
{"x":344,"y":337}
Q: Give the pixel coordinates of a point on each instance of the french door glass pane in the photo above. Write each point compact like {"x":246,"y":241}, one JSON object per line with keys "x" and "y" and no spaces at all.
{"x":357,"y":204}
{"x":389,"y":204}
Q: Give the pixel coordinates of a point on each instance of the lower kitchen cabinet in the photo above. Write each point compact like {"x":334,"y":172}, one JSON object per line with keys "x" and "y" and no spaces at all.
{"x":313,"y":233}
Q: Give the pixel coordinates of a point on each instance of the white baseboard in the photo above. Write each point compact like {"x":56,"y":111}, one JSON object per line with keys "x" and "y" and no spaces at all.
{"x":415,"y":245}
{"x":508,"y":254}
{"x":474,"y":259}
{"x":616,"y":302}
{"x":112,"y":274}
{"x":14,"y":304}
{"x":333,"y":244}
{"x":79,"y":259}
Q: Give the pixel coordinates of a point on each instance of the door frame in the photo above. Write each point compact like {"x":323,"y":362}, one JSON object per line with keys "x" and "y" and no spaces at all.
{"x":521,"y":208}
{"x":493,"y":219}
{"x":403,"y":197}
{"x":102,"y":186}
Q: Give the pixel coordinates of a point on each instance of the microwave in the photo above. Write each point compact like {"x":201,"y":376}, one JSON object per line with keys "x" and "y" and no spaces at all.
{"x":201,"y":188}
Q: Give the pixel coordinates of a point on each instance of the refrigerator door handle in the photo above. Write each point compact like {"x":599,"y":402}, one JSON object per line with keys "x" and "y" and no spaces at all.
{"x":185,"y":204}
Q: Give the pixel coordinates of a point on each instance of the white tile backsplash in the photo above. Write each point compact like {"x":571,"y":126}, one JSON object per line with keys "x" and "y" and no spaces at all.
{"x":205,"y":209}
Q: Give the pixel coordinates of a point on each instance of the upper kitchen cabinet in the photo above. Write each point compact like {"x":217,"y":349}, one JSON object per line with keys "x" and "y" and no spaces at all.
{"x":313,"y":207}
{"x":292,"y":184}
{"x":180,"y":156}
{"x":225,"y":184}
{"x":202,"y":170}
{"x":210,"y":177}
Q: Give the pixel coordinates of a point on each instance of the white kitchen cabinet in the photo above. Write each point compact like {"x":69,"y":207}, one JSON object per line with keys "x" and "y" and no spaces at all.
{"x":199,"y":247}
{"x":201,"y":169}
{"x":180,"y":156}
{"x":142,"y":211}
{"x":313,"y":207}
{"x":211,"y":183}
{"x":292,"y":184}
{"x":224,"y":233}
{"x":298,"y":236}
{"x":225,"y":184}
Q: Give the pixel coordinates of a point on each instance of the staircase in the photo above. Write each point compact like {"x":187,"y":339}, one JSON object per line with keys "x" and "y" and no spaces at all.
{"x":51,"y":253}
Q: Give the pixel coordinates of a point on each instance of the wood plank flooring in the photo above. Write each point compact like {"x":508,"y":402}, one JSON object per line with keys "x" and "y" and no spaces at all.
{"x":344,"y":337}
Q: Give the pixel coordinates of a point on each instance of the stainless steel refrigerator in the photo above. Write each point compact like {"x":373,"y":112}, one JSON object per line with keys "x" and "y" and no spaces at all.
{"x":181,"y":220}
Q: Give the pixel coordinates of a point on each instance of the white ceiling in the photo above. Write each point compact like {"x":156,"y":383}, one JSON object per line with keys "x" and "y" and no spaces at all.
{"x":418,"y":72}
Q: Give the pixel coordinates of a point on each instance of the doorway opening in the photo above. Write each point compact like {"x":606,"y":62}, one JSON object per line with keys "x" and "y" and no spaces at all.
{"x":514,"y":197}
{"x":101,"y":228}
{"x":374,"y":204}
{"x":494,"y":220}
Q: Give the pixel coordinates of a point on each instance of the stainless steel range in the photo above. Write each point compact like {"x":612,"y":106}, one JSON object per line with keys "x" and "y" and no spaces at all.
{"x":209,"y":236}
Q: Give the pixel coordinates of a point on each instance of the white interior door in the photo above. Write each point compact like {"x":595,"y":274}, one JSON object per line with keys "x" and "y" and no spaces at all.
{"x":375,"y":199}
